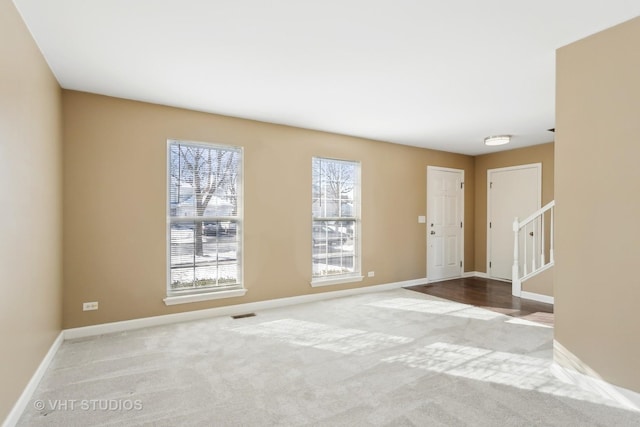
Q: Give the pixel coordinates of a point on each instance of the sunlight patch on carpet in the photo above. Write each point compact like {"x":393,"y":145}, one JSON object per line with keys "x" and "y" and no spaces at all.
{"x":516,"y":370}
{"x":324,"y":337}
{"x":521,"y":321}
{"x":447,"y":308}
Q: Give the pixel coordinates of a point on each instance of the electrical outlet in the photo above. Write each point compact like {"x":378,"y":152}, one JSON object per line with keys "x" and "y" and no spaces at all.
{"x":371,"y":273}
{"x":88,"y":306}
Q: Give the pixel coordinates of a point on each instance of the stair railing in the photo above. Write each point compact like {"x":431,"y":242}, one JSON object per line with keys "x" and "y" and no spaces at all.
{"x":533,"y":249}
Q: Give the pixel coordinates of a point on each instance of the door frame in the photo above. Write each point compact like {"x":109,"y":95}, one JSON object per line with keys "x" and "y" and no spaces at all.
{"x":443,"y":169}
{"x":538,"y":167}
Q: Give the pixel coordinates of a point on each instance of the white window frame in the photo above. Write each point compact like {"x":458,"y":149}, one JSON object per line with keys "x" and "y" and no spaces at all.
{"x":204,"y":294}
{"x":356,"y":275}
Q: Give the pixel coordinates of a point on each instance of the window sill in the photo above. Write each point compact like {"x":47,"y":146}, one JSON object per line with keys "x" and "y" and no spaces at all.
{"x":335,"y":281}
{"x":184,"y":299}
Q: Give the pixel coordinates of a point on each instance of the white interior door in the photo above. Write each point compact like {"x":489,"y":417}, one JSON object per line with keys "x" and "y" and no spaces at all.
{"x":445,"y":212}
{"x":511,"y":192}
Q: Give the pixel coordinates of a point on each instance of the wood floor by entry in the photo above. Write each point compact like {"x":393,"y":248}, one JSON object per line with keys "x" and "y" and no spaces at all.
{"x":489,"y":294}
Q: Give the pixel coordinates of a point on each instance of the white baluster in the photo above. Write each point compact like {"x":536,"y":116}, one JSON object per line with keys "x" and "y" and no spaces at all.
{"x":524,"y":244}
{"x":534,"y":236}
{"x":533,"y":226}
{"x":542,"y":239}
{"x":552,"y":243}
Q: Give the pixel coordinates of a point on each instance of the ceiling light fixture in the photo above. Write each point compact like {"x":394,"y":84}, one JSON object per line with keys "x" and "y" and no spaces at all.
{"x":497,"y":140}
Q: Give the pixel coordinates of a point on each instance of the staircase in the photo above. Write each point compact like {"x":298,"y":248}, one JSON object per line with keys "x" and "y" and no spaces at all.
{"x":533,"y":246}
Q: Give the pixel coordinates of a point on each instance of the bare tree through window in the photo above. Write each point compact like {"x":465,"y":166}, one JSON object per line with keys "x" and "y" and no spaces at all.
{"x":335,"y":198}
{"x":203,"y":199}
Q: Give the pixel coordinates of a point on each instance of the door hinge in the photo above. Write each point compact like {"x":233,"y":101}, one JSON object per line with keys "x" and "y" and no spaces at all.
{"x":489,"y":225}
{"x":491,"y":185}
{"x":460,"y":224}
{"x":460,"y":263}
{"x":489,"y":264}
{"x":461,"y":185}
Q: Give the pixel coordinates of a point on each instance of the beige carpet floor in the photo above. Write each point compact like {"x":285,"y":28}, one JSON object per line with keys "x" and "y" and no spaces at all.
{"x":396,"y":358}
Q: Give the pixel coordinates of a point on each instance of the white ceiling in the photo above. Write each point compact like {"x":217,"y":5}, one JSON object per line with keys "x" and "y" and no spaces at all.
{"x":437,"y":74}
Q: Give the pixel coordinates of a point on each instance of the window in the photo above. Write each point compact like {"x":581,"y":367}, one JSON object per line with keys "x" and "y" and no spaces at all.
{"x":204,"y":221}
{"x":335,"y":234}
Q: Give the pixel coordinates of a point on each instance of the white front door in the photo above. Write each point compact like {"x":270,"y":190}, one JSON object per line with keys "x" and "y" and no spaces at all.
{"x":512,"y":192}
{"x":445,"y":212}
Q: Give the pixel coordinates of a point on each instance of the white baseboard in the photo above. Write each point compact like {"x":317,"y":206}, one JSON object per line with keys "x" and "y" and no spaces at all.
{"x":127,"y":325}
{"x":484,"y":275}
{"x":27,"y":393}
{"x":569,"y":368}
{"x":464,"y":275}
{"x":430,"y":281}
{"x":537,"y":297}
{"x":475,"y":274}
{"x":105,"y":328}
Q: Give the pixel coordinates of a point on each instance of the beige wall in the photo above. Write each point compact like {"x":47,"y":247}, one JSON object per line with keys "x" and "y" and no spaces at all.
{"x":541,"y":283}
{"x":598,"y":208}
{"x":114,"y":200}
{"x":115,"y":195}
{"x":521,"y":156}
{"x":30,"y":207}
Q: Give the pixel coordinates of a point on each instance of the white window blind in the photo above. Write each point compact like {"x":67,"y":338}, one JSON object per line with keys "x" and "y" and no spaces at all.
{"x":335,"y":233}
{"x":204,"y":217}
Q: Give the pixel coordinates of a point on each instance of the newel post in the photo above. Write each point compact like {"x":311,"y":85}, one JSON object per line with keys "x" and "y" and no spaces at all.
{"x":515,"y":273}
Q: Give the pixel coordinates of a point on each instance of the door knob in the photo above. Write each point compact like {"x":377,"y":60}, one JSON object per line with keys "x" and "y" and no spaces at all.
{"x":531,"y":233}
{"x":433,"y":232}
